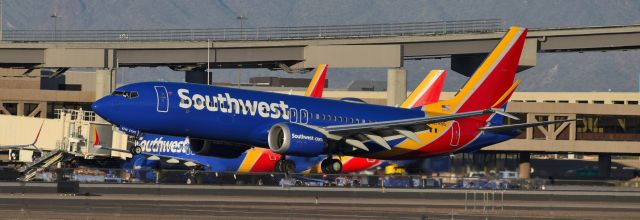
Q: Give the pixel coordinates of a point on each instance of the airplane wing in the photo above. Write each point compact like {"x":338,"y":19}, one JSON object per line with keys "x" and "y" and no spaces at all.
{"x":23,"y":146}
{"x":402,"y":126}
{"x":17,"y":147}
{"x":522,"y":125}
{"x":186,"y":162}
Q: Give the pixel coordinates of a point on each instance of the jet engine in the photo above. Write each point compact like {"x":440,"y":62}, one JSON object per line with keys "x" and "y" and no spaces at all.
{"x":296,"y":140}
{"x":216,"y":148}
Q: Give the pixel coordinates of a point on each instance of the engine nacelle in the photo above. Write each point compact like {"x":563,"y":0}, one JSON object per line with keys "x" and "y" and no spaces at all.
{"x":296,"y":140}
{"x":216,"y":148}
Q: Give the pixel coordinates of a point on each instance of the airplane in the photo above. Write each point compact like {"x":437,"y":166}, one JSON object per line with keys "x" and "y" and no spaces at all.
{"x":219,"y":119}
{"x":25,"y":146}
{"x":148,"y":148}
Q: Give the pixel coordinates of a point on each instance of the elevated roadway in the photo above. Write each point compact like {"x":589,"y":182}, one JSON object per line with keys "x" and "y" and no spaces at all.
{"x":348,"y":51}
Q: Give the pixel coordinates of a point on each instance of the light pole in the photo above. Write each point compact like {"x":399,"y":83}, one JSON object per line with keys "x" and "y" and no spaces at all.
{"x":55,"y":17}
{"x":1,"y":20}
{"x":242,"y":18}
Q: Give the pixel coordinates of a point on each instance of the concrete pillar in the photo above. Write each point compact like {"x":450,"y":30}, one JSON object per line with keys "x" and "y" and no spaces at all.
{"x":524,"y":167}
{"x":604,"y":166}
{"x":103,"y":87}
{"x":103,"y":83}
{"x":195,"y":77}
{"x":396,"y":86}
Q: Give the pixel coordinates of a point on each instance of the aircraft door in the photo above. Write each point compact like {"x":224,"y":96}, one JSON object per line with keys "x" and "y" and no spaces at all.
{"x":304,"y":116}
{"x":293,"y":115}
{"x":163,"y":99}
{"x":455,"y":133}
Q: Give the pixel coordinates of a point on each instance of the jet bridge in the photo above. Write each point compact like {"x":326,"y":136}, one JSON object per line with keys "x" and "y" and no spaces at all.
{"x":72,"y":134}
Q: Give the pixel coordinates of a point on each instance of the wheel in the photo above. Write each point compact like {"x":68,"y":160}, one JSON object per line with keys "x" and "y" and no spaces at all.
{"x":323,"y":166}
{"x":135,"y":150}
{"x":288,"y":166}
{"x":277,"y":168}
{"x":331,"y":166}
{"x":335,"y":166}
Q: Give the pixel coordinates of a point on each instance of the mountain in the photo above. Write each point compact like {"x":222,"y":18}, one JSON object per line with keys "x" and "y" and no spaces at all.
{"x":592,"y":71}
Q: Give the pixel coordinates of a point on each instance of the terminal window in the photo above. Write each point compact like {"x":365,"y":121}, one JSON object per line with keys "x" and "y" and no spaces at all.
{"x":608,"y":128}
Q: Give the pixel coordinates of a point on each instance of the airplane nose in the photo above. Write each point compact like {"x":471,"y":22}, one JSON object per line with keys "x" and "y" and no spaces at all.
{"x":99,"y":107}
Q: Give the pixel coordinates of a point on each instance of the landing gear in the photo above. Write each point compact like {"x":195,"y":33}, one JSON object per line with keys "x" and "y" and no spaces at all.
{"x":331,"y":166}
{"x":284,"y":166}
{"x":135,"y":150}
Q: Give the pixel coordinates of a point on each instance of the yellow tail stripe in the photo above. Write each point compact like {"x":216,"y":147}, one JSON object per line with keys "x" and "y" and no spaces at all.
{"x":507,"y":94}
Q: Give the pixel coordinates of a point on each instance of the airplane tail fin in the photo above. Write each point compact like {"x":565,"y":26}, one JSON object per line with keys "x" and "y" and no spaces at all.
{"x":316,"y":87}
{"x":491,"y":80}
{"x":502,"y":102}
{"x":96,"y":140}
{"x":428,"y":91}
{"x":498,"y":119}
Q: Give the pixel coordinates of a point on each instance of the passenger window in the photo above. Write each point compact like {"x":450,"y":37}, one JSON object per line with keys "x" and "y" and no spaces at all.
{"x":357,"y":121}
{"x":340,"y":119}
{"x":317,"y":116}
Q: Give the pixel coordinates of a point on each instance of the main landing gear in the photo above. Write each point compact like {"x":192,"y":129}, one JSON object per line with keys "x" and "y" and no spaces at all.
{"x":135,"y":150}
{"x":284,"y":166}
{"x":331,"y":166}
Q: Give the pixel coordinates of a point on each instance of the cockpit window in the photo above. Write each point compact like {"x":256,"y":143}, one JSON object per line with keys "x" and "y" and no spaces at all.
{"x":129,"y":95}
{"x":118,"y":93}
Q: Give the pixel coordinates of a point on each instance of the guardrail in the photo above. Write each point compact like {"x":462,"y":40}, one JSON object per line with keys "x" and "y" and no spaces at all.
{"x":251,"y":34}
{"x":98,"y":175}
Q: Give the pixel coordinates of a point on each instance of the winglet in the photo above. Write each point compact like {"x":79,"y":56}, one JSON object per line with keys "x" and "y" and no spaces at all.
{"x":428,"y":91}
{"x":507,"y":95}
{"x":38,"y":134}
{"x":501,"y":112}
{"x":316,"y":87}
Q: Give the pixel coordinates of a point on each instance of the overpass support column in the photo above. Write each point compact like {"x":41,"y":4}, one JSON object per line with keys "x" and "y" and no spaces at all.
{"x":195,"y":77}
{"x":524,"y":167}
{"x":396,"y":86}
{"x":604,"y":165}
{"x":103,"y":83}
{"x":103,"y":86}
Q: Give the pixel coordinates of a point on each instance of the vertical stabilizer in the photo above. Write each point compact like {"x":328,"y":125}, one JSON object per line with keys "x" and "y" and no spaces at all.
{"x":491,"y":80}
{"x":428,"y":91}
{"x":316,"y":87}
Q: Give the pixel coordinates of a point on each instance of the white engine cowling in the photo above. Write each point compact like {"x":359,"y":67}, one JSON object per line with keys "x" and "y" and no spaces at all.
{"x":296,"y":140}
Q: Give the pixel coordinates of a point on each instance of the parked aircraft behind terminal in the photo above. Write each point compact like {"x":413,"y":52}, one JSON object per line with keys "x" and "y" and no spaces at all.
{"x":229,"y":120}
{"x":25,"y":146}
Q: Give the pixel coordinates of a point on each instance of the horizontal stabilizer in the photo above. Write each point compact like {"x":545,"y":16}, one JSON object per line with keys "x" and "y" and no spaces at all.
{"x":523,"y":125}
{"x":503,"y":113}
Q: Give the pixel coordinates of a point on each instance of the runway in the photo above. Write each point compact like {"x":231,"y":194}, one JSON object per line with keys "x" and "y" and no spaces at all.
{"x":138,"y":201}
